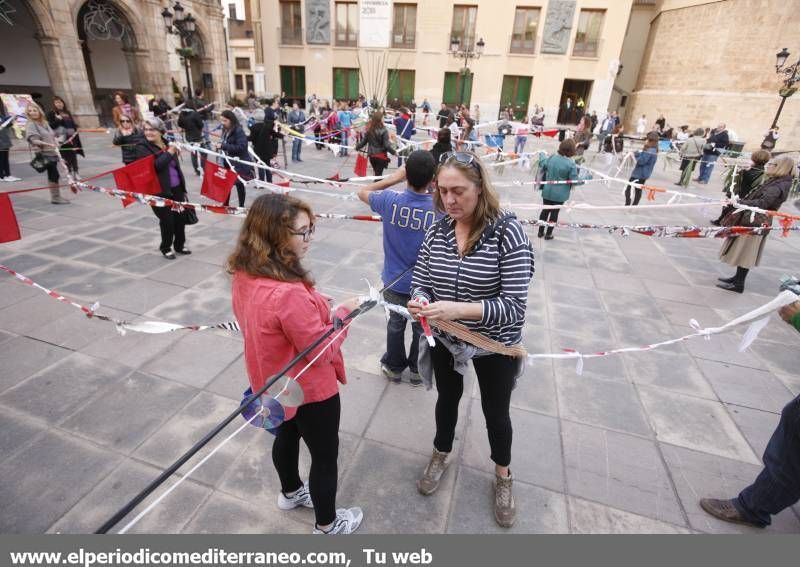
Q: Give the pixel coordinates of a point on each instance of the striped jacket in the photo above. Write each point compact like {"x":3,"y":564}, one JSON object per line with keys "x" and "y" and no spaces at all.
{"x":496,"y":273}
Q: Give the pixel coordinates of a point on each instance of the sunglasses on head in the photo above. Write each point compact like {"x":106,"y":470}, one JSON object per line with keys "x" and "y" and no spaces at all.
{"x":464,"y":158}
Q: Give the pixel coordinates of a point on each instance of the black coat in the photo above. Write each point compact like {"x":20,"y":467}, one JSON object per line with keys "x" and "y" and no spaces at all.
{"x":720,"y":140}
{"x":264,"y":142}
{"x":438,"y":149}
{"x":64,"y":125}
{"x":162,"y":165}
{"x":769,"y":196}
{"x":192,"y":124}
{"x":128,"y":142}
{"x":234,"y":144}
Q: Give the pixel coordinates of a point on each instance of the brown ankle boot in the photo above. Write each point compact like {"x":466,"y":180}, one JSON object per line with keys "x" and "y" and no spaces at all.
{"x":505,"y":510}
{"x":56,"y":198}
{"x":432,"y":474}
{"x":726,"y":511}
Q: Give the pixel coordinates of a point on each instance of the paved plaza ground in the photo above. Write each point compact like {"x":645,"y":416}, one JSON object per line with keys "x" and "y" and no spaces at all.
{"x":89,"y":417}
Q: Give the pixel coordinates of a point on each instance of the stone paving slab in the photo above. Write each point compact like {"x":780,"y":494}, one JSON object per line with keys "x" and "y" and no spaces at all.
{"x":89,"y":417}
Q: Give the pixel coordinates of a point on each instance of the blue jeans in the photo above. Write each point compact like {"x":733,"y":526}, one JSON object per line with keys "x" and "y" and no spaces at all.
{"x":343,"y":151}
{"x":519,"y":144}
{"x":395,"y":356}
{"x":706,"y":167}
{"x":297,"y":144}
{"x":778,"y":485}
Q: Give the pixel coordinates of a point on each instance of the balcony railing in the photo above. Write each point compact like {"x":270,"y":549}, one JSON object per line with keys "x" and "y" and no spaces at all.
{"x":522,"y":46}
{"x":587,"y":48}
{"x":290,"y":36}
{"x":404,"y":41}
{"x":344,"y":39}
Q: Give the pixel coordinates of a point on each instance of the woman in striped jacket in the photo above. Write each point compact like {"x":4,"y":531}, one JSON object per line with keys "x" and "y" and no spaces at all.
{"x":474,"y":267}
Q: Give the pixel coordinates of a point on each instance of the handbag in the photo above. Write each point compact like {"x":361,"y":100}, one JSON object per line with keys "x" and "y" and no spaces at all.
{"x":39,"y":162}
{"x":742,"y":218}
{"x":189,"y":216}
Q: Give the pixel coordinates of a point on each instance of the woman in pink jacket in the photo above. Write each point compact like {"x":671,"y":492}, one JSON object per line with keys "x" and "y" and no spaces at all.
{"x":280,"y":314}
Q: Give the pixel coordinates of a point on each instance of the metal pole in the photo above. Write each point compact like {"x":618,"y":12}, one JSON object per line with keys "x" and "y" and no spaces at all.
{"x":777,"y":115}
{"x":189,"y":86}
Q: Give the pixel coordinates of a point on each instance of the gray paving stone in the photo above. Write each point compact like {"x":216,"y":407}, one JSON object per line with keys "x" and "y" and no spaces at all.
{"x":108,"y":255}
{"x":722,"y":348}
{"x":631,"y":305}
{"x":619,"y":470}
{"x":139,"y":296}
{"x":95,"y":284}
{"x":635,"y":332}
{"x":46,"y":479}
{"x":599,"y":402}
{"x":132,"y":349}
{"x":129,"y":412}
{"x":26,"y":263}
{"x":577,"y":321}
{"x":679,"y":314}
{"x":535,"y":453}
{"x":142,"y":264}
{"x":777,"y":357}
{"x":70,"y":248}
{"x":56,"y":274}
{"x":185,"y":273}
{"x":195,"y":359}
{"x":116,"y":490}
{"x":539,"y":511}
{"x":22,"y":357}
{"x":232,"y":381}
{"x":12,"y":291}
{"x":694,"y":423}
{"x":16,"y":431}
{"x":591,"y":518}
{"x":187,"y":427}
{"x":115,"y":234}
{"x":757,"y":426}
{"x":60,"y":389}
{"x":30,"y":313}
{"x":360,"y":398}
{"x":746,"y":386}
{"x":574,"y":296}
{"x":382,"y":481}
{"x":195,"y":307}
{"x":700,"y":475}
{"x":223,"y":514}
{"x":674,"y":372}
{"x":607,"y":368}
{"x":536,"y":389}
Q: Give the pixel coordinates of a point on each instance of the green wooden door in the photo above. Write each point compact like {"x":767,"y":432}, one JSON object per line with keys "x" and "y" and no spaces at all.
{"x":345,"y":83}
{"x":453,"y":85}
{"x":516,"y":91}
{"x":400,"y":86}
{"x":293,"y":82}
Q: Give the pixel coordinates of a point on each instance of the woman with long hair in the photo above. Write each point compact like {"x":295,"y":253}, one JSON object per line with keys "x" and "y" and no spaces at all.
{"x":173,"y":186}
{"x":127,"y":137}
{"x":582,"y":137}
{"x":42,"y":138}
{"x":234,"y":144}
{"x":474,"y":267}
{"x":123,"y":107}
{"x":378,"y":145}
{"x":6,"y":125}
{"x":63,"y":124}
{"x":745,"y":251}
{"x":645,"y":163}
{"x":280,"y":314}
{"x":558,"y":167}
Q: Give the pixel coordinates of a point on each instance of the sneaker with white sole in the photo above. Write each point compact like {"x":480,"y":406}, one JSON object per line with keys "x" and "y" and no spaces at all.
{"x":301,"y":497}
{"x":346,"y":522}
{"x":390,"y":374}
{"x":11,"y":178}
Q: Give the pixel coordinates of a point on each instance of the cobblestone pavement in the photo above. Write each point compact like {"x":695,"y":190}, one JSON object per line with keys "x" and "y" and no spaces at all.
{"x":89,"y":417}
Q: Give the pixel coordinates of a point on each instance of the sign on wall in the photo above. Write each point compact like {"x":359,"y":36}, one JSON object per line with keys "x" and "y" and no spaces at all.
{"x":375,"y":23}
{"x":558,"y":26}
{"x":318,"y":18}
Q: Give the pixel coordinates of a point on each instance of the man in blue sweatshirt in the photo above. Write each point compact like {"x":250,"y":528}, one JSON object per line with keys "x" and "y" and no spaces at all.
{"x":406,"y":218}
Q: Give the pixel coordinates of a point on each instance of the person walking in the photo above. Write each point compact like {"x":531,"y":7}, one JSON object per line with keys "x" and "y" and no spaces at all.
{"x":234,"y":144}
{"x":645,"y":163}
{"x":745,"y":181}
{"x":404,"y":126}
{"x":691,"y":151}
{"x":474,"y":267}
{"x":406,"y":217}
{"x":444,"y":115}
{"x":521,"y":138}
{"x":606,"y":127}
{"x":42,"y":138}
{"x":583,"y":137}
{"x":297,"y":120}
{"x":557,"y":167}
{"x":66,"y":130}
{"x":191,"y":122}
{"x":280,"y":314}
{"x":718,"y":140}
{"x":641,"y":125}
{"x":615,"y":143}
{"x":345,"y":118}
{"x":745,"y":251}
{"x":261,"y":136}
{"x":377,"y":142}
{"x":173,"y":186}
{"x":777,"y":486}
{"x":426,"y":110}
{"x":6,"y":125}
{"x":127,"y":137}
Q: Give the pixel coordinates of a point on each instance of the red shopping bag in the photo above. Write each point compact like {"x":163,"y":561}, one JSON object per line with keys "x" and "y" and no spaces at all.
{"x":9,"y":229}
{"x":360,"y":170}
{"x":138,"y":177}
{"x":217,"y":182}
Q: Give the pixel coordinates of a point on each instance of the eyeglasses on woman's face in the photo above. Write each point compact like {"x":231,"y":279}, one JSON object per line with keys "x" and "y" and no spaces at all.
{"x":123,"y":121}
{"x":306,"y":234}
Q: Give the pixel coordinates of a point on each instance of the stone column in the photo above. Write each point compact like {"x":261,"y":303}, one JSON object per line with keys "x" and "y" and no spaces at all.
{"x":68,"y":77}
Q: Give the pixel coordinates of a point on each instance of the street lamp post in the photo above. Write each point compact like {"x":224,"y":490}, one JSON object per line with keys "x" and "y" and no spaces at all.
{"x":790,"y":74}
{"x":466,"y":53}
{"x":184,"y":27}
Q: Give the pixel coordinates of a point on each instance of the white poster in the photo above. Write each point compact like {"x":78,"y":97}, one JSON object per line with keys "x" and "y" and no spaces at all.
{"x":375,"y":23}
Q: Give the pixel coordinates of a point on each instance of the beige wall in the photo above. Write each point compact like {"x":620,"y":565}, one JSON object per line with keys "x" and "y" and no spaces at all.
{"x":633,"y":49}
{"x":430,"y":58}
{"x":710,"y":62}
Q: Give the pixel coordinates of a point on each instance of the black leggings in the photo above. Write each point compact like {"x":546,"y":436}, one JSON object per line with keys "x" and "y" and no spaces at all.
{"x":637,"y":191}
{"x":378,"y":165}
{"x":496,"y":377}
{"x":173,"y":228}
{"x":70,"y":158}
{"x":239,"y":192}
{"x":5,"y":169}
{"x":549,"y":215}
{"x":52,"y":171}
{"x":318,"y":425}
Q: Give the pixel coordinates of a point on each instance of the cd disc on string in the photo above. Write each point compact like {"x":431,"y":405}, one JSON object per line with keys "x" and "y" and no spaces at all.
{"x":287,"y":391}
{"x":272,"y":412}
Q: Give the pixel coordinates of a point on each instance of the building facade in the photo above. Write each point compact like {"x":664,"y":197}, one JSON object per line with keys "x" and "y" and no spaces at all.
{"x":708,"y":62}
{"x":553,"y":53}
{"x":84,"y":50}
{"x":241,"y":49}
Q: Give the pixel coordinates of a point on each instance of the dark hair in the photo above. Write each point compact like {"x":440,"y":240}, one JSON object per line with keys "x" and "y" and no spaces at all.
{"x":651,"y":141}
{"x":443,"y":136}
{"x":232,"y":117}
{"x":376,"y":121}
{"x":64,"y":102}
{"x":420,"y":168}
{"x":760,"y":157}
{"x":567,"y":148}
{"x":262,"y":249}
{"x":123,"y":96}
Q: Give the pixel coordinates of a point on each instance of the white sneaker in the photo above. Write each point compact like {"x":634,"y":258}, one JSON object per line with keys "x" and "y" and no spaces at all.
{"x":346,"y":522}
{"x":10,"y":179}
{"x":300,"y":498}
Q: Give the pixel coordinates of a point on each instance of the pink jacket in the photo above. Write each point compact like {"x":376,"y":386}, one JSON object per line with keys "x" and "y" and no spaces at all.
{"x":279,"y":319}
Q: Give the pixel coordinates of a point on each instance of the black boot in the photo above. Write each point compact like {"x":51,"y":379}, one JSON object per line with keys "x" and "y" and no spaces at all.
{"x":541,"y":231}
{"x":727,"y":280}
{"x":737,"y":284}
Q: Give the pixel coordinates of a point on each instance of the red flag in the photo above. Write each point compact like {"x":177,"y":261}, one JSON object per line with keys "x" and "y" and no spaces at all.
{"x":360,"y":170}
{"x":9,"y":229}
{"x":127,"y":200}
{"x":138,"y":177}
{"x":217,"y":182}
